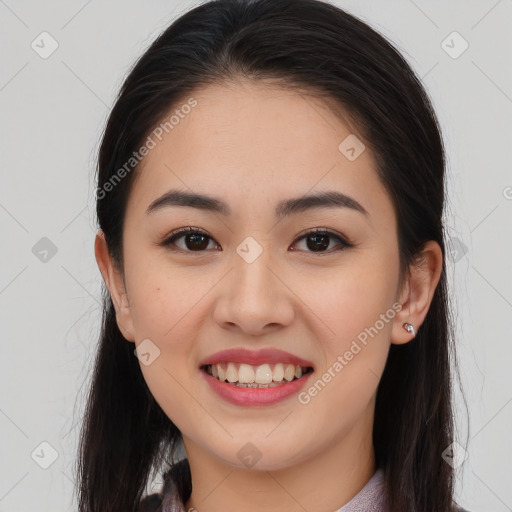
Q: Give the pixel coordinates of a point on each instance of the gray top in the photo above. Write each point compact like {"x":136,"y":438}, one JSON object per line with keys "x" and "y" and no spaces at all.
{"x":369,"y":499}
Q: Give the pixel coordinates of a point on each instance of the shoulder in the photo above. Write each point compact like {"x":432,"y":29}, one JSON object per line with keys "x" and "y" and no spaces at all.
{"x":169,"y":496}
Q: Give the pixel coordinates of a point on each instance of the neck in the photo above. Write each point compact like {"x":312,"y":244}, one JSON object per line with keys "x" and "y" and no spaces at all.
{"x":324,"y":482}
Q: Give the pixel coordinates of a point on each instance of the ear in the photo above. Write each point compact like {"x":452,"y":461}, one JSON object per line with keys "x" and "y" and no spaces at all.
{"x":116,"y":286}
{"x":417,"y":293}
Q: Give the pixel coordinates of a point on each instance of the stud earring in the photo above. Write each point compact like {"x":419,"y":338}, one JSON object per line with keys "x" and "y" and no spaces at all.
{"x":409,"y":328}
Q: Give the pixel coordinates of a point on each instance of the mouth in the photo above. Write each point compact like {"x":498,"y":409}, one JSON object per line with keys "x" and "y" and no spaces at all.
{"x":267,"y":375}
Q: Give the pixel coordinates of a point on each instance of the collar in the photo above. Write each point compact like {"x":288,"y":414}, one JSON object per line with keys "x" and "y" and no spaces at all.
{"x":369,"y":499}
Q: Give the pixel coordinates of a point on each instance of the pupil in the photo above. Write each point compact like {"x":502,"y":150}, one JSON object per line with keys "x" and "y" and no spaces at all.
{"x":196,"y":238}
{"x":200,"y":242}
{"x":319,"y":245}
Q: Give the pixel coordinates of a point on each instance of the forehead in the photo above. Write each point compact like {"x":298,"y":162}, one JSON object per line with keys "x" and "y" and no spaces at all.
{"x":259,"y":142}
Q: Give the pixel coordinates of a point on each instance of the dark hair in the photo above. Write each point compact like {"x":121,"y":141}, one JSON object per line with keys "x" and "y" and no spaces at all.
{"x":313,"y":47}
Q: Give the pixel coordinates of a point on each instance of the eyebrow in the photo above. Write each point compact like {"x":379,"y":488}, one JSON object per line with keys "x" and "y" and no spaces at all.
{"x":287,"y":207}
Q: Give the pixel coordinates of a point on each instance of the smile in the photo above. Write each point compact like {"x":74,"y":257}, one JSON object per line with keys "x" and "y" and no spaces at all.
{"x":252,"y":376}
{"x":254,"y":393}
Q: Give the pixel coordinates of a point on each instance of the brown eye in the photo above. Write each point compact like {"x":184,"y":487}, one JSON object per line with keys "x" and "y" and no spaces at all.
{"x":194,"y":240}
{"x":319,"y":240}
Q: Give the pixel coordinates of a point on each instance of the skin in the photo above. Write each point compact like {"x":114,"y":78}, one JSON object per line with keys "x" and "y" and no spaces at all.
{"x":251,"y":146}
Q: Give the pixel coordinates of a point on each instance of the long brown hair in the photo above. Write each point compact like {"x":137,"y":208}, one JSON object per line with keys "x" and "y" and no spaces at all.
{"x":313,"y":46}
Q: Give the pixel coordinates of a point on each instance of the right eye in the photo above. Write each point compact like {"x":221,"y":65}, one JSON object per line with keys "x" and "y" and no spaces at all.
{"x":195,"y":240}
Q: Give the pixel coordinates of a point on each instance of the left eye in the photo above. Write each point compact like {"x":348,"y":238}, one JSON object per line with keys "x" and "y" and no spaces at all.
{"x":319,"y":239}
{"x":196,"y":240}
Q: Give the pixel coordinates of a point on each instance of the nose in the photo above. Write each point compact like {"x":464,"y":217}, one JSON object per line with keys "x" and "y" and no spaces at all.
{"x":253,"y":298}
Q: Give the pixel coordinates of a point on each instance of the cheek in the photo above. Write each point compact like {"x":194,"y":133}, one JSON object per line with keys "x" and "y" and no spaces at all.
{"x":351,"y":300}
{"x":160,"y":295}
{"x":165,"y":306}
{"x":358,"y":309}
{"x":166,"y":315}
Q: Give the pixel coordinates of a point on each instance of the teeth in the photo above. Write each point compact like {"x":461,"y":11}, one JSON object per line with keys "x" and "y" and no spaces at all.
{"x":231,"y":373}
{"x":263,"y":374}
{"x":278,"y":373}
{"x":289,"y":372}
{"x":245,"y":374}
{"x":220,"y":371}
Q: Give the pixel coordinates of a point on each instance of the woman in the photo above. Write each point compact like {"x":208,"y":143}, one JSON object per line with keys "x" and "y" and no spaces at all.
{"x":270,"y":203}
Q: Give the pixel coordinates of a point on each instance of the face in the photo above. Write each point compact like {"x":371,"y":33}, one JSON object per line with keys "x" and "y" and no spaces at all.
{"x":259,"y":280}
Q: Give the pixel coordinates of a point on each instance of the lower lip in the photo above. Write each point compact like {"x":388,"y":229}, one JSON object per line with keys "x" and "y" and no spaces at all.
{"x":255,"y":396}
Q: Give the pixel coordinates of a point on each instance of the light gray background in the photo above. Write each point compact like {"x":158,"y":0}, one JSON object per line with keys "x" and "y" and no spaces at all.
{"x":52,"y":114}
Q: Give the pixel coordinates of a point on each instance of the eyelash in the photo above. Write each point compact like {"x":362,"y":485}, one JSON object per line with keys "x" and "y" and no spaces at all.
{"x":179,"y":233}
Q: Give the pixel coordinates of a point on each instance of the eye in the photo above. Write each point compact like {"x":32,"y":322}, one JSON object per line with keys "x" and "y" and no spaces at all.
{"x":320,"y":240}
{"x":196,"y":240}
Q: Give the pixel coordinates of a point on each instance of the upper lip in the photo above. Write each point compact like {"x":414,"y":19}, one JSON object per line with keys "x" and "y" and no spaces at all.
{"x":254,"y":357}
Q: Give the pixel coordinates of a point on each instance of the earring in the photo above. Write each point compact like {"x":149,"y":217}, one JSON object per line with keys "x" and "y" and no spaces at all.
{"x":409,"y":328}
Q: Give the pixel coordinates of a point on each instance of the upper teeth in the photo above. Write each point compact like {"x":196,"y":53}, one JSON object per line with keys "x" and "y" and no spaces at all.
{"x":262,"y":374}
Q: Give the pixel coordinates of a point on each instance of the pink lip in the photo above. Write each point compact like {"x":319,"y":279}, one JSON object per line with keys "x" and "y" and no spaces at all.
{"x":254,"y":357}
{"x":255,"y":396}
